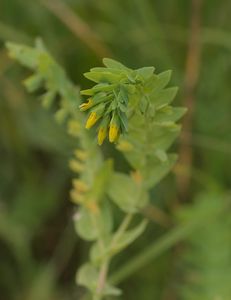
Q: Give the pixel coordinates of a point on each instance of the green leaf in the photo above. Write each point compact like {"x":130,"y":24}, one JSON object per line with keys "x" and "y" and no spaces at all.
{"x":160,"y":81}
{"x":90,"y":225}
{"x":162,"y":136}
{"x":88,"y":92}
{"x":157,"y":170}
{"x":85,"y":225}
{"x":161,"y":155}
{"x":48,"y":98}
{"x":103,"y":77}
{"x":33,"y":82}
{"x":54,"y":75}
{"x":124,"y":121}
{"x":123,"y":95}
{"x":126,"y":193}
{"x":88,"y":275}
{"x":110,"y":290}
{"x":61,"y":115}
{"x":164,"y":97}
{"x":108,"y":70}
{"x":98,"y":254}
{"x":103,"y":87}
{"x":115,"y":244}
{"x":143,"y":105}
{"x":128,"y":237}
{"x":111,"y":63}
{"x":101,"y":180}
{"x":145,"y":72}
{"x":169,"y":114}
{"x":27,"y":56}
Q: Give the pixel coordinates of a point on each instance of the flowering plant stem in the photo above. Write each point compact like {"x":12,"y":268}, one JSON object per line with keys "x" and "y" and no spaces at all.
{"x":105,"y":264}
{"x":101,"y":280}
{"x":130,"y":108}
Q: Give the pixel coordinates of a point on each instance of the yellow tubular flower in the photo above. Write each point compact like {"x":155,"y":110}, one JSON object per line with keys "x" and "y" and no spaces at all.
{"x":74,"y":128}
{"x":93,"y":118}
{"x":76,"y":166}
{"x":114,"y":128}
{"x":80,"y":185}
{"x":76,"y":197}
{"x":86,"y":105}
{"x":102,"y":133}
{"x":103,"y":129}
{"x":113,"y":132}
{"x":81,"y":154}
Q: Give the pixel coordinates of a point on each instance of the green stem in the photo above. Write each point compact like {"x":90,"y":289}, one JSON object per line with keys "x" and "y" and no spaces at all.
{"x":105,"y":264}
{"x":101,"y":280}
{"x":123,"y":226}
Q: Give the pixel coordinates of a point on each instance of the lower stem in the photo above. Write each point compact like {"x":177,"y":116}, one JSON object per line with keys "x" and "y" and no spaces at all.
{"x":102,"y":280}
{"x":105,"y":265}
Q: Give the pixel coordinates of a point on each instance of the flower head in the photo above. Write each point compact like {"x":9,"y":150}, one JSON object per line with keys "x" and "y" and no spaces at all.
{"x":108,"y":100}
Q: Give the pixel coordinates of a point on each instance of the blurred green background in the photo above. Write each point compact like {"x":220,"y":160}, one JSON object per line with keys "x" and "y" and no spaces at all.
{"x":39,"y":250}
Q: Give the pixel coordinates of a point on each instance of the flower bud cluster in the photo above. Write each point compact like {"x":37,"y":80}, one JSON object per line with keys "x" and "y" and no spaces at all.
{"x":106,"y":108}
{"x":109,"y":99}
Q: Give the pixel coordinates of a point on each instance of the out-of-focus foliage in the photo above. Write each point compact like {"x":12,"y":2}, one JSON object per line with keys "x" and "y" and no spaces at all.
{"x":38,"y":251}
{"x":206,"y":266}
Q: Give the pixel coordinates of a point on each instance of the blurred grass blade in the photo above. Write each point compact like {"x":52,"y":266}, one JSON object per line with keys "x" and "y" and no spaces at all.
{"x":9,"y":33}
{"x":164,"y":243}
{"x":77,"y":26}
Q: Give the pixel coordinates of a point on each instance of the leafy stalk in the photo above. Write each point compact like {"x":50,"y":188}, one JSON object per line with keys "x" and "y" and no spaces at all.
{"x":133,"y":109}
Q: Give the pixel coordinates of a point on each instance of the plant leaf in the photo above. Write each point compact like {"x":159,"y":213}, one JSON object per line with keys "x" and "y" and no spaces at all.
{"x":126,"y":193}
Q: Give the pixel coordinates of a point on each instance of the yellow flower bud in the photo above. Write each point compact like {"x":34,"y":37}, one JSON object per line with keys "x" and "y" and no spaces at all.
{"x":86,"y":105}
{"x":95,"y":115}
{"x":76,"y":197}
{"x":114,"y":128}
{"x":74,"y":128}
{"x":113,"y":132}
{"x":81,"y":154}
{"x":102,"y":133}
{"x":80,"y":186}
{"x":93,"y":118}
{"x":103,"y":129}
{"x":76,"y":166}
